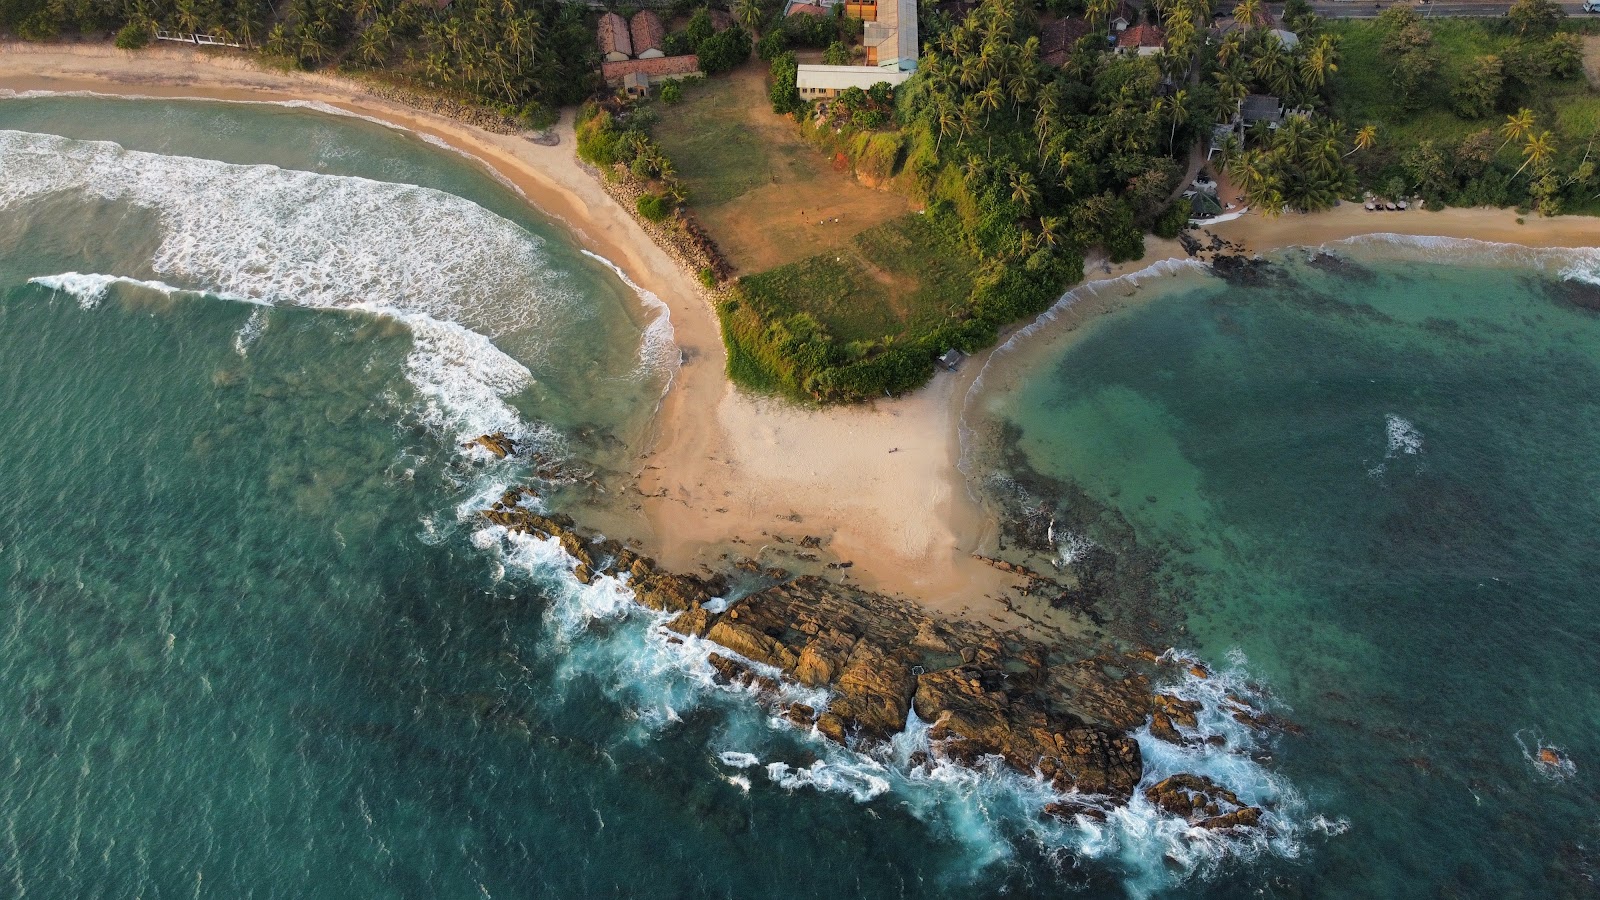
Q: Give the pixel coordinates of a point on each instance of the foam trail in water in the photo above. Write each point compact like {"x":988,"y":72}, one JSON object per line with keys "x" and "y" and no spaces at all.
{"x":287,"y":237}
{"x":1581,"y":264}
{"x":606,"y":637}
{"x":91,"y":288}
{"x":658,"y":348}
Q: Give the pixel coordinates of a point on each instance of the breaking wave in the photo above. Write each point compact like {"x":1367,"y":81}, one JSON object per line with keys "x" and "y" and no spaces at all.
{"x":299,"y":238}
{"x":989,"y":811}
{"x":1581,"y":264}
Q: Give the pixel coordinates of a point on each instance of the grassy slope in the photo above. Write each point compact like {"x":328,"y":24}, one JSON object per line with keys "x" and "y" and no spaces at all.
{"x":900,"y":280}
{"x":897,"y":278}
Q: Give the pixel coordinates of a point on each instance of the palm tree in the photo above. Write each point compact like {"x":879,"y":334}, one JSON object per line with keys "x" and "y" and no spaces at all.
{"x":1100,"y":11}
{"x":1022,"y":88}
{"x":1320,"y":61}
{"x":1231,"y":48}
{"x":989,"y":100}
{"x":947,"y":121}
{"x":1024,"y":190}
{"x":1049,"y":230}
{"x":1247,"y":13}
{"x":1517,"y":126}
{"x":1178,"y":111}
{"x":1365,"y":138}
{"x":1536,"y":152}
{"x":748,"y":14}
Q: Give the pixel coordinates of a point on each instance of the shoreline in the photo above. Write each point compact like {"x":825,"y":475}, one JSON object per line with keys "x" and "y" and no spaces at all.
{"x":723,"y":473}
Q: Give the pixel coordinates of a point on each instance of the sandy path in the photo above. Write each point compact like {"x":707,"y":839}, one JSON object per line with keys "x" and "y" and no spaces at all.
{"x":727,"y":473}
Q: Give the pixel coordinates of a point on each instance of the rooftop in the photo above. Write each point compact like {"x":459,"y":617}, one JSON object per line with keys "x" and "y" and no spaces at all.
{"x":614,"y":37}
{"x":1057,"y":39}
{"x":661,"y":66}
{"x":648,"y":32}
{"x":1144,"y":35}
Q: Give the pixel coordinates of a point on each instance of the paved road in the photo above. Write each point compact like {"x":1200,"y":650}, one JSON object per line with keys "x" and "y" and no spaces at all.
{"x":1366,"y":9}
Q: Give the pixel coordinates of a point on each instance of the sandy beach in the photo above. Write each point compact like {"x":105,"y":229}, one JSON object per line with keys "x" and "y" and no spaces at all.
{"x":728,"y":473}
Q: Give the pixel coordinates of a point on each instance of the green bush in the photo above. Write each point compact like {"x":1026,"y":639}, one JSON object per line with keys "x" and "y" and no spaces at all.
{"x":133,"y":36}
{"x":671,"y":92}
{"x":1172,"y":222}
{"x":654,"y":207}
{"x":721,"y":52}
{"x":707,"y":278}
{"x":784,"y":94}
{"x":774,"y":42}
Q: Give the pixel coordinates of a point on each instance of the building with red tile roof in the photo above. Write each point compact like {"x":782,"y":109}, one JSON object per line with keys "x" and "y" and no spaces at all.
{"x":657,"y":69}
{"x":616,"y":44}
{"x":1058,"y":39}
{"x":1144,"y":40}
{"x":648,"y":35}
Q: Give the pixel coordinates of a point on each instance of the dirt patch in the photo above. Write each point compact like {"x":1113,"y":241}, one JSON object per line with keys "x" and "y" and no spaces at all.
{"x":766,"y":195}
{"x":1591,"y":58}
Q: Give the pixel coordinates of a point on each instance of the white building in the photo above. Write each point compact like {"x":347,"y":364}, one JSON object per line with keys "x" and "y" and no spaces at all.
{"x":822,"y":82}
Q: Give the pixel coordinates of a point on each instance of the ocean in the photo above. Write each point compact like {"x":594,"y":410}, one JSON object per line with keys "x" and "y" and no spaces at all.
{"x":253,"y":641}
{"x":1371,"y":472}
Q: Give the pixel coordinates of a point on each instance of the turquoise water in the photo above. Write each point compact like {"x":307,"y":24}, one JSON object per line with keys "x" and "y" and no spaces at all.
{"x":1377,"y":482}
{"x":253,"y":643}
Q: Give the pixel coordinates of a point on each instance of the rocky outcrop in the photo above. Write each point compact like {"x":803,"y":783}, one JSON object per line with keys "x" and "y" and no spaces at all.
{"x":497,"y":443}
{"x":985,"y":693}
{"x":1203,"y":802}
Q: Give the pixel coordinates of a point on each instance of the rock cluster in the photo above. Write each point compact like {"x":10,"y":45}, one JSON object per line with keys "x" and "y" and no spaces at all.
{"x":465,"y":113}
{"x":681,"y":237}
{"x":1203,"y":802}
{"x":984,"y":693}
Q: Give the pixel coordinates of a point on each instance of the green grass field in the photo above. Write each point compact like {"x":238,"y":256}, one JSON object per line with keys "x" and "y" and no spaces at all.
{"x":715,"y":148}
{"x":897,"y":278}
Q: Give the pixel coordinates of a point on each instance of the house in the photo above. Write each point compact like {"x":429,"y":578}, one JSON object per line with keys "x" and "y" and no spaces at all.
{"x":1058,"y":39}
{"x":615,"y":42}
{"x":1123,"y":17}
{"x":1145,"y":40}
{"x":808,"y":9}
{"x":648,"y":35}
{"x":824,"y":82}
{"x":655,"y":70}
{"x":1260,"y":108}
{"x":636,"y":85}
{"x":1289,"y":39}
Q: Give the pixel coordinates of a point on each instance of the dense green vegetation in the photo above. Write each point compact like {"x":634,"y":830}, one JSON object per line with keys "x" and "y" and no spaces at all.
{"x":1472,"y":113}
{"x":522,"y":57}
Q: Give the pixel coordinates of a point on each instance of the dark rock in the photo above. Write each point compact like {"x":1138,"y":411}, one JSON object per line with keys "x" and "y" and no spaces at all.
{"x":985,"y":693}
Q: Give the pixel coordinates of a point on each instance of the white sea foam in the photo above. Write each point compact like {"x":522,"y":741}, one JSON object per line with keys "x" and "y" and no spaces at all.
{"x":250,"y":331}
{"x":658,"y":348}
{"x":1569,"y":263}
{"x":1403,"y":437}
{"x":91,"y":288}
{"x":606,"y":637}
{"x":1070,"y":547}
{"x":288,"y":237}
{"x":450,"y":270}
